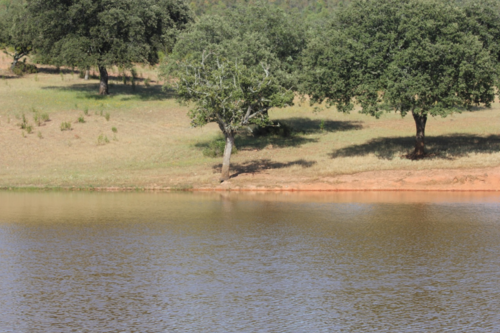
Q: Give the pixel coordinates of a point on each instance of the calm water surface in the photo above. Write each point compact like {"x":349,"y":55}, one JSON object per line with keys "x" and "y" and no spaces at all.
{"x":90,"y":262}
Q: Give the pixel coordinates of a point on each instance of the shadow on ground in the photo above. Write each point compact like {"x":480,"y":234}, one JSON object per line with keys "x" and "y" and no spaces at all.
{"x":257,"y":166}
{"x":141,"y":92}
{"x":308,"y":125}
{"x":448,"y":147}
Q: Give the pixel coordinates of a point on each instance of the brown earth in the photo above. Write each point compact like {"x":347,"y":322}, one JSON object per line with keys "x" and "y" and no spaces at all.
{"x":485,"y":179}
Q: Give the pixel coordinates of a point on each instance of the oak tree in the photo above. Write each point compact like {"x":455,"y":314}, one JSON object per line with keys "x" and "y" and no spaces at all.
{"x":105,"y":33}
{"x":409,"y":56}
{"x":227,"y":92}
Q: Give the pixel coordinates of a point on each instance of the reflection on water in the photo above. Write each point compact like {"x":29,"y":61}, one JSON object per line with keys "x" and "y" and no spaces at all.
{"x":89,"y":262}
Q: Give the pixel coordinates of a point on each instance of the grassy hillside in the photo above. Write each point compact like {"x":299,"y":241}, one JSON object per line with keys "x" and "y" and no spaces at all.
{"x":142,"y":137}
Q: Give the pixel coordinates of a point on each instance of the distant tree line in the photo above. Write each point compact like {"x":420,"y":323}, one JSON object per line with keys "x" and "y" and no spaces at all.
{"x":235,"y":60}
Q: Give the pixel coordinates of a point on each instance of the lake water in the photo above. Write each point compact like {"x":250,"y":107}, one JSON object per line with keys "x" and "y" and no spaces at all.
{"x":183,"y":262}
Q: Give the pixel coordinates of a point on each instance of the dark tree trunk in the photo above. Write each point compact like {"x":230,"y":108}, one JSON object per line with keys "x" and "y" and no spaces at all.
{"x":226,"y":160}
{"x":420,"y":121}
{"x":103,"y":86}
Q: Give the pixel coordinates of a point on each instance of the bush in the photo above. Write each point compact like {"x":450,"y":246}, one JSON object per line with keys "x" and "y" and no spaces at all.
{"x":66,"y":126}
{"x":102,"y":139}
{"x":22,"y":68}
{"x":216,"y":147}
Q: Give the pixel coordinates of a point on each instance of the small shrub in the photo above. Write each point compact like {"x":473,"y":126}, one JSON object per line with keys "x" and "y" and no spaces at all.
{"x":40,"y":136}
{"x":322,"y":125}
{"x":107,"y":115}
{"x":86,"y":111}
{"x":45,"y":117}
{"x":66,"y":126}
{"x":29,"y":129}
{"x":37,"y":118}
{"x":81,"y":119}
{"x":114,"y":130}
{"x":24,"y":122}
{"x":23,"y":134}
{"x":102,"y":139}
{"x":22,"y":68}
{"x":216,"y":148}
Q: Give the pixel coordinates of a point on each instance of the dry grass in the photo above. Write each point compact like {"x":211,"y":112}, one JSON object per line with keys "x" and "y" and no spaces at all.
{"x":154,"y":144}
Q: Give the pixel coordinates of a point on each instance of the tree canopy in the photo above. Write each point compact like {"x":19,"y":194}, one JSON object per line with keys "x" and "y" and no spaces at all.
{"x":104,"y":33}
{"x":16,"y":29}
{"x":253,"y":34}
{"x":409,"y":56}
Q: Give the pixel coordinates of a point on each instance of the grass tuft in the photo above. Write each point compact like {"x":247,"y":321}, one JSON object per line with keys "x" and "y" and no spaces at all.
{"x":66,"y":126}
{"x":102,"y":140}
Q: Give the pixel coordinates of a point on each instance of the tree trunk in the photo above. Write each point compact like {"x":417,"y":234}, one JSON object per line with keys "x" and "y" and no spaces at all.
{"x":420,"y":121}
{"x":103,"y":86}
{"x":227,"y":156}
{"x":17,"y":57}
{"x":87,"y":72}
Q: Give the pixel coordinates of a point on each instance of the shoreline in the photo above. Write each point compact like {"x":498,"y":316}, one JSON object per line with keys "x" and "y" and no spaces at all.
{"x":434,"y":180}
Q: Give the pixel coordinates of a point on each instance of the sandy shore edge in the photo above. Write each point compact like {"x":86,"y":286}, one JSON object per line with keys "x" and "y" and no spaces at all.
{"x":437,"y":180}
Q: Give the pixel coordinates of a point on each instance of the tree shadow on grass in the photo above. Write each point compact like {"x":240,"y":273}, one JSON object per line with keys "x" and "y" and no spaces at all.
{"x":448,"y":147}
{"x":257,"y":166}
{"x":309,"y":126}
{"x":298,"y":127}
{"x":139,"y":92}
{"x":54,"y":70}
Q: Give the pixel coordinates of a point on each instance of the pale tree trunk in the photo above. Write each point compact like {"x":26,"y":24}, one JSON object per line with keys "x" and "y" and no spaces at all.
{"x":226,"y":160}
{"x":420,"y":121}
{"x":87,"y":73}
{"x":103,"y":86}
{"x":17,"y":57}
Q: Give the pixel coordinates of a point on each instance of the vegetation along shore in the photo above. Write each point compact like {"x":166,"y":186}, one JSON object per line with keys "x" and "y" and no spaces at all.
{"x":401,"y":95}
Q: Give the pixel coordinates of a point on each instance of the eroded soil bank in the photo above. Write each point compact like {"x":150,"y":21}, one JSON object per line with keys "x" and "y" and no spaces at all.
{"x":481,"y":179}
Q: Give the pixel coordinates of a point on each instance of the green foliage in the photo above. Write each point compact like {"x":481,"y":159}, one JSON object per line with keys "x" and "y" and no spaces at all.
{"x":107,"y":116}
{"x":66,"y":126}
{"x":106,"y":32}
{"x":228,"y":92}
{"x":408,"y":55}
{"x":17,"y":30}
{"x":215,"y":148}
{"x":21,"y":68}
{"x":29,"y":129}
{"x":86,"y":111}
{"x":253,"y":34}
{"x":24,"y":122}
{"x":102,"y":140}
{"x":114,"y":130}
{"x":81,"y":119}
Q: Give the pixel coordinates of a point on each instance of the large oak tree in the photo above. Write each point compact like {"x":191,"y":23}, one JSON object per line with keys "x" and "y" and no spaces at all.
{"x":104,"y":33}
{"x":410,"y":56}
